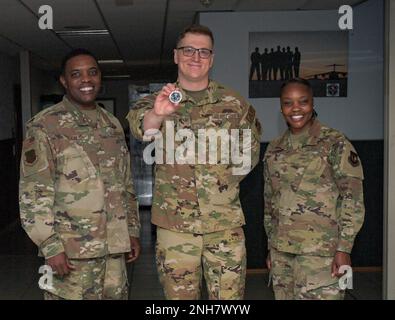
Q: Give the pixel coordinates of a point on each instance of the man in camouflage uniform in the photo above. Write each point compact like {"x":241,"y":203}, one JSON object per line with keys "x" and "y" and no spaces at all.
{"x":196,"y":206}
{"x":313,"y":201}
{"x":76,"y":195}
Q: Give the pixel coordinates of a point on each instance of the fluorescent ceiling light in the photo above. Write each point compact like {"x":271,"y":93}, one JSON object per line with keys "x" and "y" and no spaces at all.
{"x":114,"y":61}
{"x":73,"y":33}
{"x":206,"y":3}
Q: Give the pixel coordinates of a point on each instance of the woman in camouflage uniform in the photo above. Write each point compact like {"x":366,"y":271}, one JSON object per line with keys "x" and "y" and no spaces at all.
{"x":313,"y":201}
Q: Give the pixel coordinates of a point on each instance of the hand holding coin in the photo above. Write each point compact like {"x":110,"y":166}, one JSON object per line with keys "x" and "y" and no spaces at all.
{"x":167,"y":101}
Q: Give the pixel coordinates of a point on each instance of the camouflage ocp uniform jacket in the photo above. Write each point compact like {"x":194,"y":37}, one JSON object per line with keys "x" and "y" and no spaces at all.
{"x":313,"y":194}
{"x":200,"y":198}
{"x":76,"y":194}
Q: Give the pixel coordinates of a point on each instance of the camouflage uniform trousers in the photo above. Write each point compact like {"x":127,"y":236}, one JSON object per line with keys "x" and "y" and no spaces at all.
{"x":181,"y":258}
{"x":93,"y":279}
{"x":303,"y":277}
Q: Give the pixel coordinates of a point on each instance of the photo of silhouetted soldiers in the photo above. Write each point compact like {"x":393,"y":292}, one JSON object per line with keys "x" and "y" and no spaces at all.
{"x":276,"y":57}
{"x":282,"y":64}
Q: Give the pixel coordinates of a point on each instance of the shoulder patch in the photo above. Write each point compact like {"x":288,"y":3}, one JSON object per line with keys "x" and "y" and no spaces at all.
{"x":350,"y":164}
{"x":30,"y":157}
{"x":353,"y":159}
{"x":34,"y":159}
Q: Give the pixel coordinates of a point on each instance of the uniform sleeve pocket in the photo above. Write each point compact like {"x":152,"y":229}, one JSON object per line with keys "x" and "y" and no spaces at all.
{"x":350,"y":164}
{"x":33,"y":158}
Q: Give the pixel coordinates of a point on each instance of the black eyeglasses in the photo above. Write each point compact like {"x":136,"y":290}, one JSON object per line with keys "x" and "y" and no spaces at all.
{"x":190,"y":51}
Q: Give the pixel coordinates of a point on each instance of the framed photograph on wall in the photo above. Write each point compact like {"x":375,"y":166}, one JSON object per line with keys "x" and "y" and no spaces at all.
{"x":318,"y":56}
{"x":108,"y":104}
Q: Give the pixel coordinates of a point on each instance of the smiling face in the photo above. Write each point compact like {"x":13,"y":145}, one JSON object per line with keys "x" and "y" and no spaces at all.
{"x":193,"y":72}
{"x":82,"y":81}
{"x":297,"y":106}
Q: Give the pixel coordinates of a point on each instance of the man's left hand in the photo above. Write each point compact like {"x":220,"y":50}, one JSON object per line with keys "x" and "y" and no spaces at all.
{"x":135,"y":250}
{"x":340,"y":259}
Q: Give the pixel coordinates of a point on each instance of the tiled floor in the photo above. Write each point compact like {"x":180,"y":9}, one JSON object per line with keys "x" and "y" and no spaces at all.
{"x":19,"y":271}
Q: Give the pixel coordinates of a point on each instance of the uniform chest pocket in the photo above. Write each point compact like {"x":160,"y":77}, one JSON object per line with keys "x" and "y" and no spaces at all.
{"x":225,"y":120}
{"x":76,"y":166}
{"x":282,"y":174}
{"x":311,"y":177}
{"x":114,"y":152}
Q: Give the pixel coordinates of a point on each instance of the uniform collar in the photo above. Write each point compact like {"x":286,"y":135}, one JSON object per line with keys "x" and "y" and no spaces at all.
{"x":82,"y":120}
{"x":313,"y":132}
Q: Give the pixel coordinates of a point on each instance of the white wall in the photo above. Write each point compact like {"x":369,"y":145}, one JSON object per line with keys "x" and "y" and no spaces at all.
{"x":9,"y":75}
{"x":359,"y":115}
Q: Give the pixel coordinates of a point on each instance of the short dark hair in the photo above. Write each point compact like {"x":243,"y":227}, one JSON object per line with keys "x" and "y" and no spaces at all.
{"x":74,"y":53}
{"x":197,"y":29}
{"x":301,"y":81}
